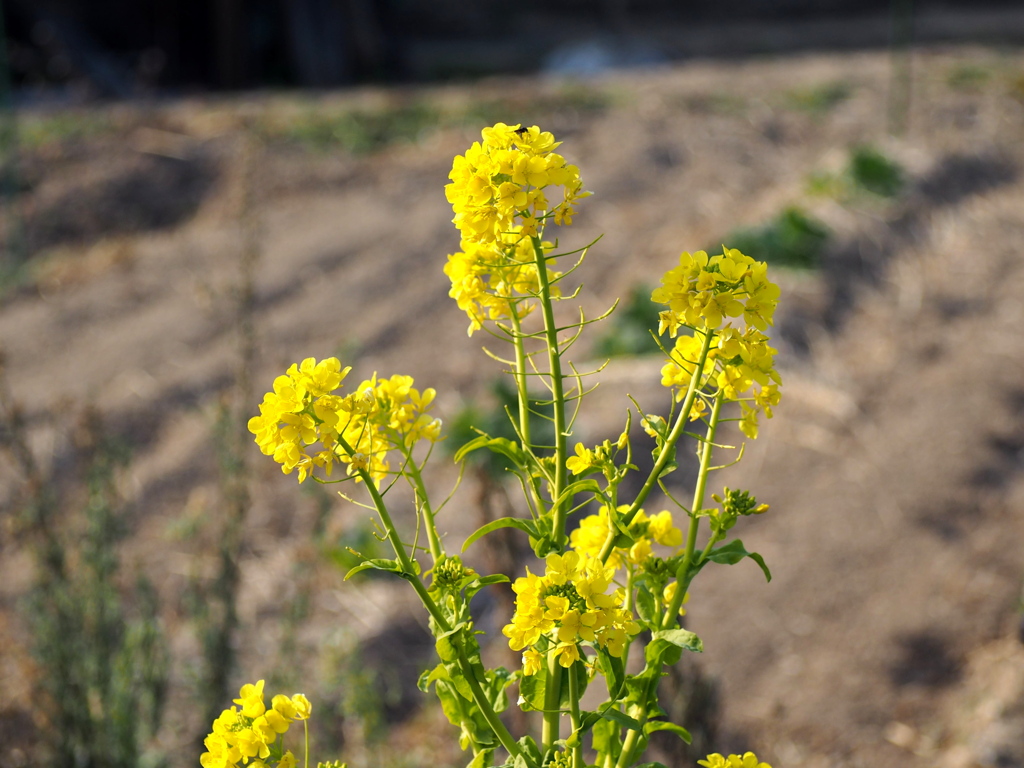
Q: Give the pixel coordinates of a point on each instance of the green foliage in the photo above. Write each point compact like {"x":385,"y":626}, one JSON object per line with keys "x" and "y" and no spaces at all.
{"x":868,"y":172}
{"x":819,"y":99}
{"x":968,"y":77}
{"x":792,"y":239}
{"x":358,"y":131}
{"x":629,"y":329}
{"x":45,"y":130}
{"x":102,"y":658}
{"x":873,"y":172}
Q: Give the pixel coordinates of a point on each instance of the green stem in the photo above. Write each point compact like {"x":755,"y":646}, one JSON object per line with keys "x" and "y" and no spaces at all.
{"x":666,"y":451}
{"x":557,"y":394}
{"x":305,"y":727}
{"x":574,"y":717}
{"x":436,"y":548}
{"x":715,"y":538}
{"x":520,"y":377}
{"x":683,"y":576}
{"x":628,"y":607}
{"x":552,"y":695}
{"x":629,"y":744}
{"x":410,"y":574}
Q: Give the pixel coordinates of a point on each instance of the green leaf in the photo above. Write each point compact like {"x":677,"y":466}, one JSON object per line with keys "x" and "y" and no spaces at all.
{"x":605,"y":736}
{"x":668,"y":469}
{"x":431,"y":675}
{"x":501,"y":445}
{"x":531,"y":688}
{"x":663,"y":725}
{"x":379,"y":564}
{"x":587,"y":485}
{"x":733,"y":552}
{"x":478,"y":584}
{"x":614,"y":672}
{"x":450,"y":703}
{"x":650,"y":765}
{"x":667,"y":646}
{"x":481,"y":759}
{"x":445,"y":649}
{"x":530,"y":748}
{"x":622,"y":719}
{"x":646,"y":607}
{"x":502,"y":522}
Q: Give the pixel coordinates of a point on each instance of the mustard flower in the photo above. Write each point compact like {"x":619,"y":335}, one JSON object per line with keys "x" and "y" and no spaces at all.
{"x":582,"y":461}
{"x":748,"y":760}
{"x":569,"y":604}
{"x":705,"y":292}
{"x":303,"y":411}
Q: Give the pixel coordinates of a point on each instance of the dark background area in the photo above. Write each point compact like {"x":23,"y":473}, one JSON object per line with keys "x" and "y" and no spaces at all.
{"x":78,"y":50}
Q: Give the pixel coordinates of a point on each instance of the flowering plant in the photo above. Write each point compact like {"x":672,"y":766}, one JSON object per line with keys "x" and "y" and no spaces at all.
{"x":612,"y":589}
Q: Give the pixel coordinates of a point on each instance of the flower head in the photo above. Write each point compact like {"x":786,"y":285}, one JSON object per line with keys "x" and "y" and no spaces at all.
{"x":306,"y":427}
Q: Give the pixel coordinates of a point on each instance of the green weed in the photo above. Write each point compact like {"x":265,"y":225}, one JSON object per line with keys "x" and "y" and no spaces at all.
{"x":819,"y":99}
{"x":792,"y":239}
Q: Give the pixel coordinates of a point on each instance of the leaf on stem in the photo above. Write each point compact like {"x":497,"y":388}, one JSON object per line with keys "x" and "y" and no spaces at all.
{"x":663,"y":725}
{"x":503,"y":522}
{"x":733,"y":552}
{"x":667,"y":646}
{"x":380,"y":564}
{"x":501,"y":445}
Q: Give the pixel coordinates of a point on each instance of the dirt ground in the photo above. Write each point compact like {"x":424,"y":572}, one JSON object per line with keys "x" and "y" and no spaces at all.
{"x":894,"y":465}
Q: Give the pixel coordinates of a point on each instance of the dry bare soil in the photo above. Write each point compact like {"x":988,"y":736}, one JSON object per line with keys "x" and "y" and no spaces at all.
{"x":889,"y":634}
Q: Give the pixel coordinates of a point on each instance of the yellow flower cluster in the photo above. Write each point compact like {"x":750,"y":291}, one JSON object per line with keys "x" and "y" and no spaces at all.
{"x":499,"y":191}
{"x":357,"y":429}
{"x":489,"y":278}
{"x":249,"y":731}
{"x":501,"y":182}
{"x":593,"y":531}
{"x":748,"y":760}
{"x":568,"y":605}
{"x":703,"y":293}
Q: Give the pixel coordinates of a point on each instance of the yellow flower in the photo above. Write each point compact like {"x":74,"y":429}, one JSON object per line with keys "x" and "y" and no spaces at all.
{"x":532,"y":661}
{"x":582,"y":461}
{"x":661,"y":528}
{"x":568,"y":654}
{"x":748,"y":760}
{"x":748,"y":424}
{"x":670,"y":592}
{"x":303,"y":708}
{"x":283,"y":705}
{"x":250,"y":698}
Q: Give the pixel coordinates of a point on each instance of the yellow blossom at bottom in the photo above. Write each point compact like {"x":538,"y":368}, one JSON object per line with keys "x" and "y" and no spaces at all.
{"x":748,"y":760}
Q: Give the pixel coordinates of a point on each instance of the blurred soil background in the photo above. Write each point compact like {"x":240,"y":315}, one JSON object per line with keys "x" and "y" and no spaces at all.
{"x":167,"y":259}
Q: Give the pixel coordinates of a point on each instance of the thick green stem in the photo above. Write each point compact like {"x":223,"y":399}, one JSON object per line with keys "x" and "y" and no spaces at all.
{"x":666,"y":451}
{"x":629,"y":744}
{"x":552,"y":695}
{"x":557,"y":394}
{"x":574,"y":717}
{"x":683,"y":575}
